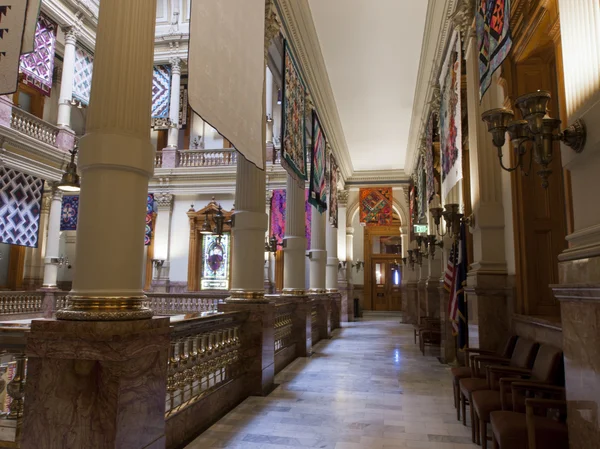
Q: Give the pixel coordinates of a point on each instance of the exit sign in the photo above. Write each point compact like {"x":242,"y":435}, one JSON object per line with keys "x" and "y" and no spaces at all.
{"x":420,"y":229}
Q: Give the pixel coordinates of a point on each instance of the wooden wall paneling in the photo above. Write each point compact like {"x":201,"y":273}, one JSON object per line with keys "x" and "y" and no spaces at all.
{"x":371,"y":231}
{"x":16,"y":266}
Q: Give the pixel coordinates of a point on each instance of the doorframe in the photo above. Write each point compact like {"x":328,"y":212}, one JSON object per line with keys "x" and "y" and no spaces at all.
{"x":389,"y":259}
{"x":372,"y":231}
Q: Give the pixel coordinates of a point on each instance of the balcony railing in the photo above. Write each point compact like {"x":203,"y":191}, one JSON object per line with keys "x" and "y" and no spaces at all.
{"x":183,"y":303}
{"x":15,"y":303}
{"x":203,"y":158}
{"x":32,"y":126}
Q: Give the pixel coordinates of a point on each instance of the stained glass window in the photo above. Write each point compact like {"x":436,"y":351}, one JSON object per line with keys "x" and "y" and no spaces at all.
{"x":215,"y":262}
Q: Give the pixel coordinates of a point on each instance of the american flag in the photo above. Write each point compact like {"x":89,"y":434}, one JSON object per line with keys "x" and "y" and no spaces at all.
{"x":450,"y":269}
{"x":457,"y":308}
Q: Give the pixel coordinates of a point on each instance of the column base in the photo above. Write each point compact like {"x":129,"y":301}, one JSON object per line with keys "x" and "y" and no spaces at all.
{"x":317,"y":291}
{"x":104,"y":309}
{"x":256,"y":296}
{"x":293,"y":292}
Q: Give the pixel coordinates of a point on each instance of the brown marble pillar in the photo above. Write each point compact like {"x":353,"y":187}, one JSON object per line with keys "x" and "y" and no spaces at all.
{"x":302,"y":325}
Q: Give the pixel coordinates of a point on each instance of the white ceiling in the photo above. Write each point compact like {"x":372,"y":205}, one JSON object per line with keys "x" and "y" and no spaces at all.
{"x":371,"y":49}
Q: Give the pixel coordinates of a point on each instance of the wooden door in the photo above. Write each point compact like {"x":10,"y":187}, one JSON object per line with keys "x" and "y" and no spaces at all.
{"x":386,"y":278}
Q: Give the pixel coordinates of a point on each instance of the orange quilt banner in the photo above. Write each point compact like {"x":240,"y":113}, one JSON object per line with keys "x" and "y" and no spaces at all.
{"x":376,"y":206}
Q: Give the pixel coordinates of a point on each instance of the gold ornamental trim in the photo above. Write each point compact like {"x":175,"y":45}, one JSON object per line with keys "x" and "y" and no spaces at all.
{"x":316,"y":291}
{"x":332,"y":290}
{"x":293,"y":292}
{"x":97,"y":308}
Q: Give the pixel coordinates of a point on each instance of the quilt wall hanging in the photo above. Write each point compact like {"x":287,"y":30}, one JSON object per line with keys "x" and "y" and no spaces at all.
{"x":161,"y":91}
{"x":317,"y":185}
{"x":20,"y":206}
{"x":376,"y":206}
{"x":278,"y":215}
{"x":307,"y":219}
{"x":421,"y":190}
{"x":37,"y":67}
{"x":429,"y":170}
{"x":12,"y":21}
{"x":183,"y":106}
{"x":493,"y":39}
{"x":150,"y":212}
{"x":333,"y":191}
{"x":82,"y":76}
{"x":69,"y":212}
{"x":293,"y":148}
{"x":450,"y":116}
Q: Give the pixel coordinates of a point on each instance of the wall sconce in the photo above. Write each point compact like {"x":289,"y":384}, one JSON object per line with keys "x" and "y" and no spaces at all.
{"x":158,"y":263}
{"x":411,"y":259}
{"x":272,"y":244}
{"x":537,"y":127}
{"x":418,"y":257}
{"x":359,"y":265}
{"x":219,"y":221}
{"x":269,"y":119}
{"x":431,"y":243}
{"x":404,"y":260}
{"x":342,"y":265}
{"x":60,"y":261}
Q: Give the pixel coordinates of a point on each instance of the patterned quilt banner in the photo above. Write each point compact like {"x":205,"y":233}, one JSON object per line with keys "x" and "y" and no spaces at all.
{"x":150,"y":210}
{"x":318,"y":185}
{"x":376,"y":206}
{"x":69,"y":213}
{"x":12,"y":20}
{"x":429,"y":156}
{"x":161,"y":91}
{"x":278,"y":215}
{"x":82,"y":76}
{"x":20,"y":206}
{"x":38,"y":66}
{"x":307,"y":220}
{"x":493,"y":39}
{"x":450,"y":117}
{"x":293,"y":148}
{"x":333,"y":192}
{"x":421,"y":191}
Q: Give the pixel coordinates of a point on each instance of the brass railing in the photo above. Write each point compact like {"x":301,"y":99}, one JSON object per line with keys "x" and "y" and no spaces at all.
{"x":182,"y":303}
{"x":32,"y":126}
{"x":284,"y":325}
{"x":12,"y":303}
{"x":204,"y":355}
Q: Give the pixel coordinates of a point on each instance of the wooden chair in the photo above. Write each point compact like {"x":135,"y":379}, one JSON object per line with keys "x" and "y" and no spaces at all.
{"x":425,"y":323}
{"x":546,"y":370}
{"x":522,"y":357}
{"x":534,"y":423}
{"x":462,"y":372}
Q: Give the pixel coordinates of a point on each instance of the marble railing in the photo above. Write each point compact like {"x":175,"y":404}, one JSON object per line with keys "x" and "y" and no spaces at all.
{"x":284,"y":324}
{"x":158,"y":158}
{"x":32,"y":126}
{"x":182,"y":303}
{"x":15,"y":303}
{"x":206,"y":158}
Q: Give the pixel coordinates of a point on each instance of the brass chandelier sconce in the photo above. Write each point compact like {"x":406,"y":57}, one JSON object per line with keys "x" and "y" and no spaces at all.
{"x":219,"y":220}
{"x":536,"y":128}
{"x":429,"y":242}
{"x":272,"y":244}
{"x":452,"y":218}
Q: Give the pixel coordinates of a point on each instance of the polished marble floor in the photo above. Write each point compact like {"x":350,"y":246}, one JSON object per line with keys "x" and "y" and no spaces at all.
{"x":369,"y":387}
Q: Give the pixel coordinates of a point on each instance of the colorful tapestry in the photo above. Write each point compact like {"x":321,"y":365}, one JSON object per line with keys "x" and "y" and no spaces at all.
{"x":412,"y":194}
{"x":278,"y":215}
{"x":317,"y":185}
{"x":293,"y":148}
{"x":82,"y":76}
{"x":150,"y":210}
{"x":20,"y":206}
{"x":376,"y":206}
{"x":429,"y":156}
{"x":183,"y":106}
{"x":450,"y":116}
{"x":307,"y":219}
{"x":69,"y":212}
{"x":493,"y":39}
{"x":161,"y":91}
{"x":37,"y":67}
{"x":333,"y":192}
{"x":12,"y":20}
{"x":421,"y":191}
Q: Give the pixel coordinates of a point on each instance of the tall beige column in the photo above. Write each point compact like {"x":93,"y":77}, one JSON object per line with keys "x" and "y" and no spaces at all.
{"x":116,"y":160}
{"x":579,"y":278}
{"x":34,"y":257}
{"x":66,"y":83}
{"x":173,"y":138}
{"x":349,"y":251}
{"x":162,"y":238}
{"x":53,"y":240}
{"x":294,"y":243}
{"x":318,"y":253}
{"x":331,"y":281}
{"x":249,"y":227}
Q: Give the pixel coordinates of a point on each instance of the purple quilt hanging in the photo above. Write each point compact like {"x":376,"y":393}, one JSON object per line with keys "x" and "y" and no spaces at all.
{"x":69,"y":212}
{"x":150,"y":209}
{"x":37,"y":67}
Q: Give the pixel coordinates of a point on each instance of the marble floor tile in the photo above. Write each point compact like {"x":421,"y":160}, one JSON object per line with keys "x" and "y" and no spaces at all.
{"x":367,"y":387}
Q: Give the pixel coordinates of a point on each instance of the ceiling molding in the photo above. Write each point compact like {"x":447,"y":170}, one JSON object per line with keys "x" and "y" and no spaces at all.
{"x":299,"y":29}
{"x":438,"y":28}
{"x":365,"y":178}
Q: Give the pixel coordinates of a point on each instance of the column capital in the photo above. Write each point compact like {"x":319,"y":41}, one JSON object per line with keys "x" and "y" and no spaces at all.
{"x":57,"y":194}
{"x":349,"y":230}
{"x":164,"y":200}
{"x":272,"y":24}
{"x":343,"y":198}
{"x":72,"y":33}
{"x":46,"y":201}
{"x":175,"y":65}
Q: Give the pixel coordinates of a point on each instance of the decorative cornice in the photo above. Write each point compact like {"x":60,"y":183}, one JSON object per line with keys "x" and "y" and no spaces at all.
{"x":300,"y":32}
{"x":438,"y":27}
{"x":370,"y":177}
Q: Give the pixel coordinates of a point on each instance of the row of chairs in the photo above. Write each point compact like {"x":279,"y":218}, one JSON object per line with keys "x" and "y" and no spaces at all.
{"x":519,"y":392}
{"x":428,"y":332}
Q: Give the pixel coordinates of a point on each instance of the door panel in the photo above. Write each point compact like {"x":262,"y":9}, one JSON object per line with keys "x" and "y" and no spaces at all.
{"x":387,"y":277}
{"x":380,"y":288}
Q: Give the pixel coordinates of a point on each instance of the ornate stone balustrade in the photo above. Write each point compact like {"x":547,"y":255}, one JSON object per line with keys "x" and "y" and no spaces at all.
{"x":284,"y":324}
{"x":158,"y":159}
{"x":182,"y":303}
{"x":206,"y":158}
{"x":32,"y":126}
{"x":13,"y":303}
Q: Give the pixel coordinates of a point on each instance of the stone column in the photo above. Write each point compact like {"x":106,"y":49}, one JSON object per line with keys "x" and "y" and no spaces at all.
{"x":162,"y":240}
{"x":331,"y":281}
{"x":66,"y":83}
{"x":294,"y":246}
{"x":34,"y":274}
{"x":578,"y":273}
{"x":269,"y":104}
{"x":318,"y":254}
{"x":448,"y":340}
{"x":92,"y":353}
{"x":488,"y":315}
{"x":173,"y":138}
{"x":53,"y":240}
{"x":433,"y":282}
{"x":422,"y":275}
{"x":345,"y":287}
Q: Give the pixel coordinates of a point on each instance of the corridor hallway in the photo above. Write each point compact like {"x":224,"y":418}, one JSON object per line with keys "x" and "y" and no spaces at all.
{"x":368,"y":387}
